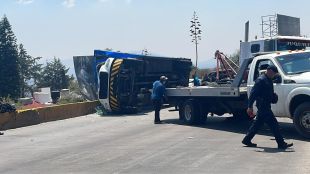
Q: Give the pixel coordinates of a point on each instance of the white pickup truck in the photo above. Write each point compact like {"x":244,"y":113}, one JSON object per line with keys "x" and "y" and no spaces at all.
{"x":292,"y":87}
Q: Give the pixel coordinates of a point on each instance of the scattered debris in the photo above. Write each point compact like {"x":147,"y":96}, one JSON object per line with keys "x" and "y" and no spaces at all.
{"x":6,"y":107}
{"x":100,"y":110}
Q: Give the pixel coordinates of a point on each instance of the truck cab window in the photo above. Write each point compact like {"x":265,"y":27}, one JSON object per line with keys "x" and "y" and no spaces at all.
{"x":295,"y":64}
{"x":261,"y":67}
{"x":269,"y":45}
{"x":255,"y":48}
{"x":292,"y":45}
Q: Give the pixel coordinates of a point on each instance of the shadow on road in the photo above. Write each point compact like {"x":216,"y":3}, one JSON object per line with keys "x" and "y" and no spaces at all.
{"x":143,"y":111}
{"x":135,"y":113}
{"x":273,"y":150}
{"x":241,"y":126}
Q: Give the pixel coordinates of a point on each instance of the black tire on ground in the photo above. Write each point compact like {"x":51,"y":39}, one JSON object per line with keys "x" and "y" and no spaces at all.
{"x":190,"y":112}
{"x":302,"y":119}
{"x":181,"y":111}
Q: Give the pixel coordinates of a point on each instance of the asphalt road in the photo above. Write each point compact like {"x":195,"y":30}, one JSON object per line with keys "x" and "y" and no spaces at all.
{"x":133,"y":144}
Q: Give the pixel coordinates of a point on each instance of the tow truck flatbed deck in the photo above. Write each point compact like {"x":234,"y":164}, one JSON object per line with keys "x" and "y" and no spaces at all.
{"x":206,"y":91}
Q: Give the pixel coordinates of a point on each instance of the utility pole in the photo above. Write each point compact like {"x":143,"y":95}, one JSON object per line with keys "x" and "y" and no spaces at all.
{"x":195,"y":33}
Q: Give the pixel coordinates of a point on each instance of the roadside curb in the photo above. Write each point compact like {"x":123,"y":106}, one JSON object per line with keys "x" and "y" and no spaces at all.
{"x":29,"y":117}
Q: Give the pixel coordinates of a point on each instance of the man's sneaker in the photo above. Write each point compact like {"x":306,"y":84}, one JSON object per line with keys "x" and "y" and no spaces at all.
{"x":249,"y":143}
{"x":285,"y":145}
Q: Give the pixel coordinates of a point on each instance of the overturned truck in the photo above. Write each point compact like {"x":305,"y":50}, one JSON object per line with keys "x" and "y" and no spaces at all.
{"x":122,"y":82}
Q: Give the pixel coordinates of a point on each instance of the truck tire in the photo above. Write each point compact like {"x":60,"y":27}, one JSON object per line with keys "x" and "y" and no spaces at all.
{"x":302,"y":119}
{"x":191,"y":112}
{"x":181,"y":111}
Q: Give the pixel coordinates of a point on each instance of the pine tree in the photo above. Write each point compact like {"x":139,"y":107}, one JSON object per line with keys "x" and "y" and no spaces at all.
{"x":24,"y":65}
{"x":36,"y":74}
{"x":54,"y":75}
{"x":29,"y":71}
{"x":9,"y":72}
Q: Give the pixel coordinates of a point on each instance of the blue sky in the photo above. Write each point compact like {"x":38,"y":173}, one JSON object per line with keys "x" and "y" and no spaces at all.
{"x":65,"y":28}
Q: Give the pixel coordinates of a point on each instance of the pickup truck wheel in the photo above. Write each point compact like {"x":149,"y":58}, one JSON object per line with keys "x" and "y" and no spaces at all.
{"x":190,"y":112}
{"x":302,"y":119}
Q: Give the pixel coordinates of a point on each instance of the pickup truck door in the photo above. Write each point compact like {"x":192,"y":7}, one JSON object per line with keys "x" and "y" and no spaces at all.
{"x":257,"y":69}
{"x":278,"y":108}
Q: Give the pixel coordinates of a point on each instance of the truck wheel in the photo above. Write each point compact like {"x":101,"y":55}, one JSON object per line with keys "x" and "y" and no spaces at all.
{"x":190,"y":112}
{"x":181,"y":111}
{"x":302,"y":119}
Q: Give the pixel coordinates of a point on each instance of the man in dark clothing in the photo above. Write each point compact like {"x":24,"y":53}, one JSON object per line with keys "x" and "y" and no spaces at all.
{"x":263,"y":93}
{"x":158,"y":94}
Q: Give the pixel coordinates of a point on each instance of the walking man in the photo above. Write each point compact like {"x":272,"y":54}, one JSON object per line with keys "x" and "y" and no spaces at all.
{"x":158,"y":94}
{"x":263,"y":93}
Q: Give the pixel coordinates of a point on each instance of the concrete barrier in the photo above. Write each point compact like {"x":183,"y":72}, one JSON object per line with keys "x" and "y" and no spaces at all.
{"x":6,"y":118}
{"x":46,"y":114}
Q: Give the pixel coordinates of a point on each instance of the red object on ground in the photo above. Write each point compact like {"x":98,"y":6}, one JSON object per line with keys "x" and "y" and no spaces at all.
{"x":33,"y":105}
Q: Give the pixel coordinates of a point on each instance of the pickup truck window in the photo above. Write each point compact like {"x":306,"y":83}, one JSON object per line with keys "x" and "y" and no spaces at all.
{"x":295,"y":63}
{"x":261,"y":67}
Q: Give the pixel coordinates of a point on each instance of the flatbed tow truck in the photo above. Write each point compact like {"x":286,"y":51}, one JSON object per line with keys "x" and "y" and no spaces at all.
{"x":292,"y":86}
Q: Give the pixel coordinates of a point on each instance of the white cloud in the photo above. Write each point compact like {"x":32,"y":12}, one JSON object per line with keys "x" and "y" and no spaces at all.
{"x":69,"y":3}
{"x":25,"y":1}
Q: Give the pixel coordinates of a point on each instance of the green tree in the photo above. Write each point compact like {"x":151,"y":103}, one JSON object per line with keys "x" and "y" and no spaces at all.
{"x":29,"y":70}
{"x":36,"y":74}
{"x":235,"y":57}
{"x":54,"y":75}
{"x":9,"y":72}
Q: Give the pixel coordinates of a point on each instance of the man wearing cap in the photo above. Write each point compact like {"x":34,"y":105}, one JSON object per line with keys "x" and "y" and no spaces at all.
{"x":263,"y":93}
{"x":158,"y":94}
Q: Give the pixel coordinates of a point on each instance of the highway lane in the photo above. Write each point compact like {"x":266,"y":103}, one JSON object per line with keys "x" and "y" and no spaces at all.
{"x":133,"y":144}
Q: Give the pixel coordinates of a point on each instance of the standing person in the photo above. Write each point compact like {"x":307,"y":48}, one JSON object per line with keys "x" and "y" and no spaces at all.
{"x":263,"y":93}
{"x":158,"y":94}
{"x":196,"y":80}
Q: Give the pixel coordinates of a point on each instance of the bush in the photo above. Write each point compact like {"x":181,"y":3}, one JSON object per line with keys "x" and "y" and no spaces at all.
{"x":10,"y":101}
{"x":71,"y":98}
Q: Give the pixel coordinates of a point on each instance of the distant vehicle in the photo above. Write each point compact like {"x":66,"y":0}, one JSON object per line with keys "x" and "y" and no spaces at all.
{"x":211,"y":77}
